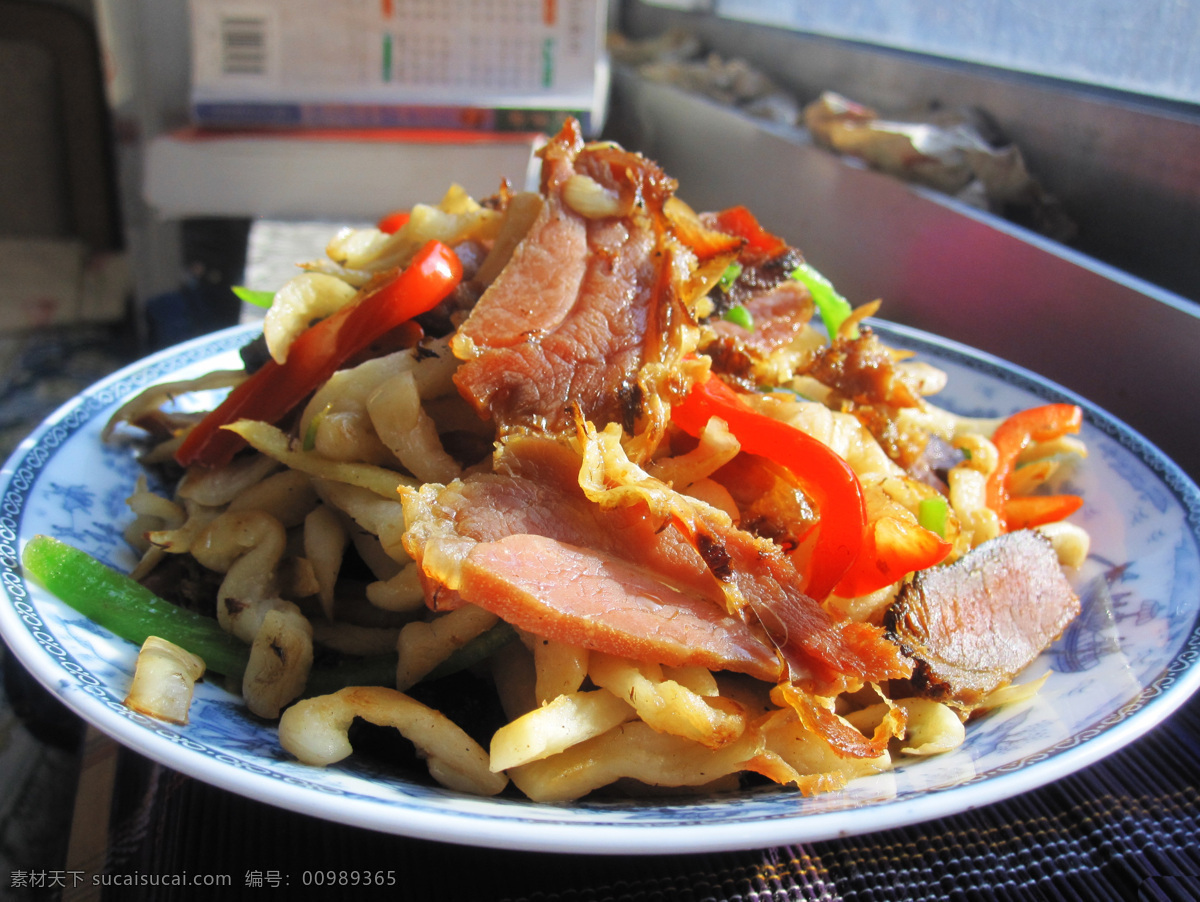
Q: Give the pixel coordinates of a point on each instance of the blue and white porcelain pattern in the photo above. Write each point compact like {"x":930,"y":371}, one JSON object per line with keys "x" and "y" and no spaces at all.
{"x":1125,"y":665}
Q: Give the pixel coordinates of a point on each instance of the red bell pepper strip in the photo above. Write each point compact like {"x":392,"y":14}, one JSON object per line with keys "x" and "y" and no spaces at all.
{"x":1037,"y":424}
{"x":1028,"y":511}
{"x":316,"y":353}
{"x":892,"y":549}
{"x":824,"y":476}
{"x":760,"y":245}
{"x":393,"y":222}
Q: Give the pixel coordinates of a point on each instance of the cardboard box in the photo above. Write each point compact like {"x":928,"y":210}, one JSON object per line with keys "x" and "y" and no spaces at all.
{"x":329,"y":173}
{"x":479,"y":64}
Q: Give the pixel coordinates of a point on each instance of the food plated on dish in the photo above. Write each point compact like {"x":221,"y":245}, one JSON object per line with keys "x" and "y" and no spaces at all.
{"x":582,"y":456}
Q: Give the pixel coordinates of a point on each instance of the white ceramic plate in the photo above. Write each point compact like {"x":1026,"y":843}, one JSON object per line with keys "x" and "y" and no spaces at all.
{"x":1121,"y":668}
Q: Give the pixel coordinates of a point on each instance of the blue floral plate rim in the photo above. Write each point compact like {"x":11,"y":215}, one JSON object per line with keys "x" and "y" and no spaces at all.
{"x":1137,"y":615}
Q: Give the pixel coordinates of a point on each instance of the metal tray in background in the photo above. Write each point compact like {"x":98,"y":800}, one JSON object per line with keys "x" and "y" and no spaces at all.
{"x":937,"y":264}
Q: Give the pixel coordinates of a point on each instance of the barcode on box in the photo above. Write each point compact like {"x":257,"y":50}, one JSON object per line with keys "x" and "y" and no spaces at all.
{"x":430,"y":63}
{"x":243,"y":45}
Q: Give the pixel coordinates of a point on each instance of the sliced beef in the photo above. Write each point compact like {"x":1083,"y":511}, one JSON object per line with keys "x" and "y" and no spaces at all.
{"x":529,"y":545}
{"x":973,"y":625}
{"x":866,"y":382}
{"x":826,"y":655}
{"x":587,"y":312}
{"x":778,"y":315}
{"x":862,"y":370}
{"x":588,"y":598}
{"x":536,"y":491}
{"x":755,"y":280}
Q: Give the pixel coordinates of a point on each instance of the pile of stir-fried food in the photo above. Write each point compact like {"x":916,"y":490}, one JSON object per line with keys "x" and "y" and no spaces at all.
{"x":585,"y":449}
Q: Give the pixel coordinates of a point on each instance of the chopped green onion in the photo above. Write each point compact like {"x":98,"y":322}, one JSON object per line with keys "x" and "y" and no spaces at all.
{"x":740,"y":316}
{"x":931,"y":514}
{"x":257,"y":298}
{"x":832,"y":306}
{"x":732,"y":271}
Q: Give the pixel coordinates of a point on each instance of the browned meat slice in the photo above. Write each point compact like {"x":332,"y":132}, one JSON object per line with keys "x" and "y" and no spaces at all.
{"x":537,"y":492}
{"x":588,"y":311}
{"x":606,"y":572}
{"x":777,"y":314}
{"x":862,"y":370}
{"x":588,"y":598}
{"x":866,"y":382}
{"x":973,"y":625}
{"x":827,"y":655}
{"x":528,"y":545}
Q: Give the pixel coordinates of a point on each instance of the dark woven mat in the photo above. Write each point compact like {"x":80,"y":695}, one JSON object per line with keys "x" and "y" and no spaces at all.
{"x":1126,"y":828}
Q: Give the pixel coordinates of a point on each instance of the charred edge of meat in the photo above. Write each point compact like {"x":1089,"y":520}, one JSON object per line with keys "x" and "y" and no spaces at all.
{"x":923,"y":683}
{"x":866,"y":383}
{"x":715,"y":556}
{"x":754,"y":280}
{"x":731,"y":359}
{"x":631,"y":399}
{"x":862,"y":370}
{"x":904,"y":446}
{"x":769,"y":528}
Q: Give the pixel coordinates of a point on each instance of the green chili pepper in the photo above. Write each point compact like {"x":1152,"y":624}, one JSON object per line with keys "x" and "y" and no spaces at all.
{"x":257,"y":298}
{"x":832,"y":306}
{"x":131,"y":611}
{"x":127,"y":608}
{"x":740,"y":316}
{"x":471,"y":653}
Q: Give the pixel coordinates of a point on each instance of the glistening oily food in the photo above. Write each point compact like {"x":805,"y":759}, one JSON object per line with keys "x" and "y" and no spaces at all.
{"x":584,"y":449}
